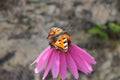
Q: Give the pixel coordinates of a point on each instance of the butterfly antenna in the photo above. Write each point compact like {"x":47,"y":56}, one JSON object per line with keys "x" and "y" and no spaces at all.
{"x":69,"y":26}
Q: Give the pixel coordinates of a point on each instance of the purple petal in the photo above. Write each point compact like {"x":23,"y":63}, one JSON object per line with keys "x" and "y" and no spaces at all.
{"x":42,"y":59}
{"x":55,"y":63}
{"x":83,"y":53}
{"x":81,"y":62}
{"x":71,"y":65}
{"x":50,"y":60}
{"x":42,"y":54}
{"x":62,"y":66}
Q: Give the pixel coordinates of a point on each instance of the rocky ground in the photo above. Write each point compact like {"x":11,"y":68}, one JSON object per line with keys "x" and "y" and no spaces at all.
{"x":24,"y":26}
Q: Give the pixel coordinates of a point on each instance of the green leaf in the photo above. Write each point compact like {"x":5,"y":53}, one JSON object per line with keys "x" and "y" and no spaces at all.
{"x":99,"y":32}
{"x":114,"y":27}
{"x":100,"y":26}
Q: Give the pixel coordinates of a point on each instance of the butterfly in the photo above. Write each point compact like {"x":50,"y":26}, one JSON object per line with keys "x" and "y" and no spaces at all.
{"x":59,"y":39}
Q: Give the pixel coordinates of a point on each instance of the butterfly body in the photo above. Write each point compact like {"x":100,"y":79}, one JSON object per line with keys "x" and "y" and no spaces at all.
{"x":59,"y":39}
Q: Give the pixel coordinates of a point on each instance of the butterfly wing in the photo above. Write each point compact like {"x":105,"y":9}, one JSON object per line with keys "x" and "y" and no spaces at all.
{"x":62,"y":43}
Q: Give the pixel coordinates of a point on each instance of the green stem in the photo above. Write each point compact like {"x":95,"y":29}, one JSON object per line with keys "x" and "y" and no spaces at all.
{"x":58,"y":78}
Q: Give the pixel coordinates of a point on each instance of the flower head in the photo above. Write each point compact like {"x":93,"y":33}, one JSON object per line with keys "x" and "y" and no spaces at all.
{"x":62,"y":54}
{"x":75,"y":59}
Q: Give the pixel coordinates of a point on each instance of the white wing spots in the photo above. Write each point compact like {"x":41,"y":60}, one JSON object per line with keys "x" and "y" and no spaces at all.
{"x":65,"y":43}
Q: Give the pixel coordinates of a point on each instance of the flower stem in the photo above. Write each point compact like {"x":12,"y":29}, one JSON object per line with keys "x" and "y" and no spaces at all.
{"x":58,"y":78}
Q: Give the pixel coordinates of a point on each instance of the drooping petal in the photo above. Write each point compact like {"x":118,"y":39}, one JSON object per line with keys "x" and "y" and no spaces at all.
{"x":42,"y":59}
{"x":62,"y":66}
{"x":81,"y":62}
{"x":48,"y":66}
{"x":55,"y":64}
{"x":43,"y":53}
{"x":83,"y":53}
{"x":72,"y":65}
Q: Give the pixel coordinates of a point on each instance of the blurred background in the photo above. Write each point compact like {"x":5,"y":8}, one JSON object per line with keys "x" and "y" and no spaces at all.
{"x":94,"y":25}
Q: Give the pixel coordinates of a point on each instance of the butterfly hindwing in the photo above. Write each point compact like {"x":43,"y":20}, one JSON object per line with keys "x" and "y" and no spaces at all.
{"x":62,"y":43}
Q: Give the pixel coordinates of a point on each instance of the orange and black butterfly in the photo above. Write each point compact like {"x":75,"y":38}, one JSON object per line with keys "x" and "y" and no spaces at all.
{"x":59,"y":39}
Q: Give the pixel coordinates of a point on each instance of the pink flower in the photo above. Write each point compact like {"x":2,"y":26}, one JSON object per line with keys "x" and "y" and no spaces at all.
{"x":74,"y":59}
